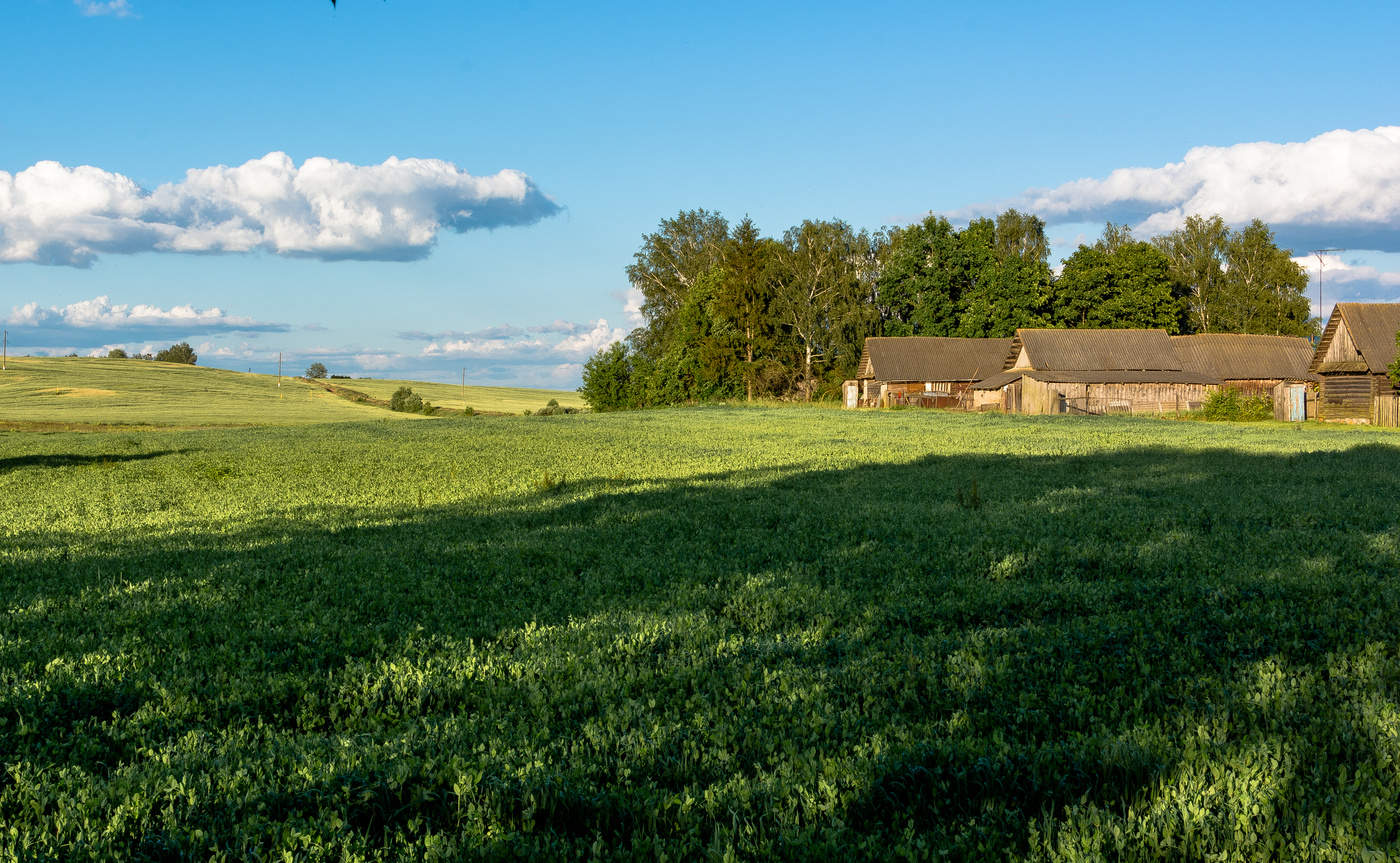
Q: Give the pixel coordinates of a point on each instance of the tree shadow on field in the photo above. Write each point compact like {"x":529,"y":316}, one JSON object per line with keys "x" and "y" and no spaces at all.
{"x":980,"y":649}
{"x":78,"y":459}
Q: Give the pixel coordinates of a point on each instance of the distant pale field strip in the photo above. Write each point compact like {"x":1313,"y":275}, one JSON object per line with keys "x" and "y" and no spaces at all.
{"x":496,"y":399}
{"x":86,"y":390}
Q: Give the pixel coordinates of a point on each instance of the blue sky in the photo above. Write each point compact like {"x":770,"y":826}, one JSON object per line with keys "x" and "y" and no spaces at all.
{"x":607,"y":118}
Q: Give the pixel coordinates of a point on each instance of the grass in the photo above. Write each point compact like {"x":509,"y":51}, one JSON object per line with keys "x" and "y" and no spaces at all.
{"x":54,"y":393}
{"x":705,"y":633}
{"x":81,"y":390}
{"x":509,"y":400}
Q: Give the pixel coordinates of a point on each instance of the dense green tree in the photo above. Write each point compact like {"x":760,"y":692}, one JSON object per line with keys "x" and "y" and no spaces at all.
{"x":1263,"y":291}
{"x":1117,"y":282}
{"x":116,"y":354}
{"x":1239,"y":281}
{"x":1196,"y":252}
{"x":916,"y":292}
{"x":817,"y":279}
{"x":1006,"y":279}
{"x":702,"y":359}
{"x":316,"y":370}
{"x":671,"y":259}
{"x":607,"y":379}
{"x":745,"y":297}
{"x":180,"y":352}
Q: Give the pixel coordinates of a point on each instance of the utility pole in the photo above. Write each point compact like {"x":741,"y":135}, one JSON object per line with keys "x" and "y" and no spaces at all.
{"x":5,"y":357}
{"x":1318,"y":253}
{"x":464,"y":389}
{"x":279,"y":367}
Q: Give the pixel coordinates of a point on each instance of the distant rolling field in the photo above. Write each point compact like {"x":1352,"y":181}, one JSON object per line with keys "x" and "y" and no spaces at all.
{"x":84,"y":391}
{"x":139,"y":392}
{"x":510,"y":400}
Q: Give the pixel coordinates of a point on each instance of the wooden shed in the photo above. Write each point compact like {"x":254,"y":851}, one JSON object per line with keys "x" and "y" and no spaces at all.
{"x":927,"y":370}
{"x":1093,"y":372}
{"x":1351,"y":359}
{"x":1255,"y":365}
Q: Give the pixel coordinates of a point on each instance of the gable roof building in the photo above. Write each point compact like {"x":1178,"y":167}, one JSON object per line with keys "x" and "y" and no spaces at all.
{"x":1250,"y":362}
{"x":931,"y":358}
{"x":1094,"y":371}
{"x":1352,"y":357}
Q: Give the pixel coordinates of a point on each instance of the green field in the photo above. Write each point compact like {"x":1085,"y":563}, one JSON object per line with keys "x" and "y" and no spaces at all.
{"x":708,"y":633}
{"x":508,"y":400}
{"x":86,"y":391}
{"x":81,"y":390}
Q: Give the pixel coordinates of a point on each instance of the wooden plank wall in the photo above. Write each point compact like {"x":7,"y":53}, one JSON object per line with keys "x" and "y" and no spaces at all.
{"x":1345,"y":397}
{"x":1122,"y":398}
{"x":1387,"y":411}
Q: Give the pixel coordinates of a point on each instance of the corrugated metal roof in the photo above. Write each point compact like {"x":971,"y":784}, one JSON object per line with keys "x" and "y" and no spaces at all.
{"x":1102,"y":350}
{"x":1237,"y":356}
{"x":1373,"y":327}
{"x":929,"y":358}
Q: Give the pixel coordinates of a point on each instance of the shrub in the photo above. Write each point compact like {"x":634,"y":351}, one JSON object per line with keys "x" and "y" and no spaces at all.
{"x":1228,"y":404}
{"x":116,"y":354}
{"x":607,"y":379}
{"x":405,"y":400}
{"x":316,"y":370}
{"x":180,"y":352}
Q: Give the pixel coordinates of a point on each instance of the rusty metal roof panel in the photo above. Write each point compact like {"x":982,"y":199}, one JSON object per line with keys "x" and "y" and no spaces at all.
{"x":1239,"y":356}
{"x":931,"y":358}
{"x":1100,"y":350}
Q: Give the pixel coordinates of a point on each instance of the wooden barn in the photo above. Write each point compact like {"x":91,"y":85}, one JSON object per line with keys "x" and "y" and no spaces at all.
{"x":1255,"y":365}
{"x":1093,"y":372}
{"x":923,"y":370}
{"x":1351,"y":359}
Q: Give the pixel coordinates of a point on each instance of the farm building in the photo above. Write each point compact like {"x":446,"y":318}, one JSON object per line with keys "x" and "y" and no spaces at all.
{"x":1254,"y":365}
{"x":1093,"y":372}
{"x":925,"y":370}
{"x":1351,"y":359}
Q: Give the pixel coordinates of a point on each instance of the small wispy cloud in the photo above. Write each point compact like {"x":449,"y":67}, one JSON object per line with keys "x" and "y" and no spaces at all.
{"x":113,"y":8}
{"x":323,"y":208}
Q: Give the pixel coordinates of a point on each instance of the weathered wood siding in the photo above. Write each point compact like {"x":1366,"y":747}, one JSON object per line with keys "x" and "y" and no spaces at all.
{"x":1341,"y":349}
{"x":1292,"y":402}
{"x":1255,"y":387}
{"x":1345,"y":397}
{"x":1081,"y":398}
{"x":1387,"y":410}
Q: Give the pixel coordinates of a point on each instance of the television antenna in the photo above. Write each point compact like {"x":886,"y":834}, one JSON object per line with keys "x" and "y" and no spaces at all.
{"x":1319,"y":253}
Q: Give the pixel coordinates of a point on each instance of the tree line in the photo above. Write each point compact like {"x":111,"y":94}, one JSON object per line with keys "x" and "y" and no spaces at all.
{"x":729,"y":313}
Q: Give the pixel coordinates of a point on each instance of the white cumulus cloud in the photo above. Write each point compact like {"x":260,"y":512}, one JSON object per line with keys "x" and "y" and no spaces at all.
{"x":98,"y":321}
{"x":554,"y":342}
{"x":324,"y":208}
{"x":1341,"y":188}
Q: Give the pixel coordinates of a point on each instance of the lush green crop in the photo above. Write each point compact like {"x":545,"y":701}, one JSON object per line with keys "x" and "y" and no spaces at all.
{"x":717,"y":632}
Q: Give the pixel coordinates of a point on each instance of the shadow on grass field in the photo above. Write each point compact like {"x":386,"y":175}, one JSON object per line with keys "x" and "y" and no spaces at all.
{"x":1148,"y":653}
